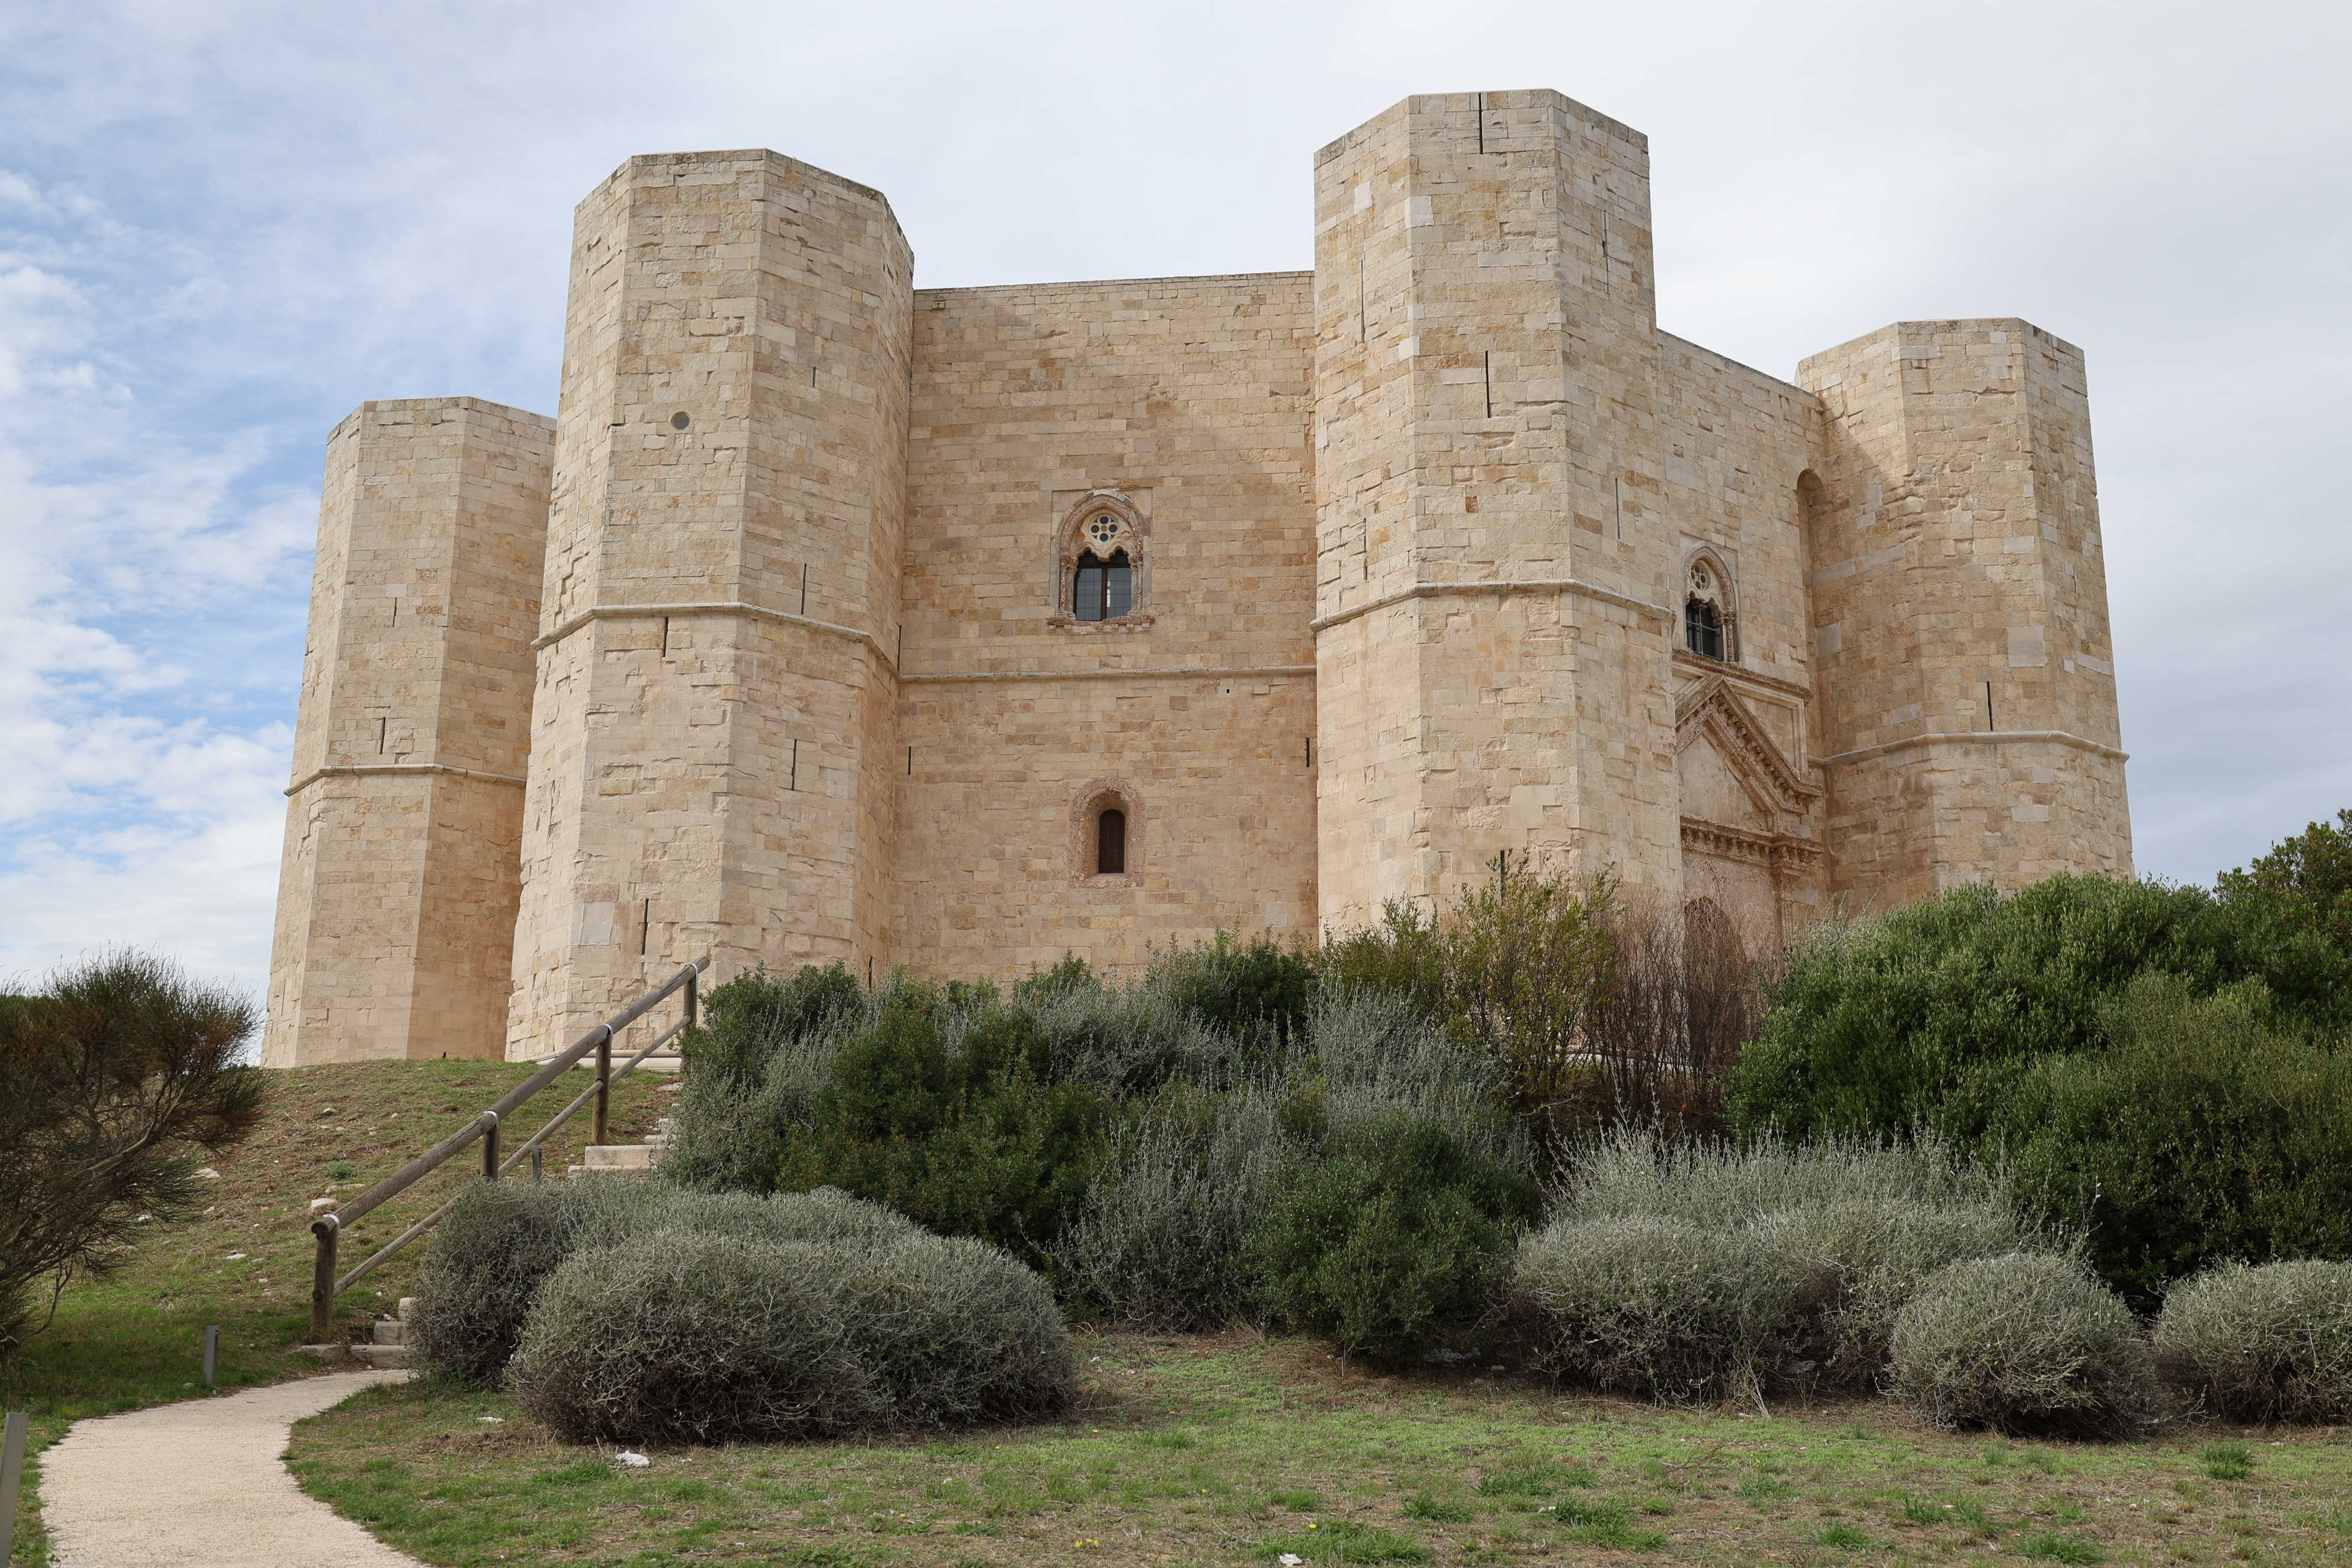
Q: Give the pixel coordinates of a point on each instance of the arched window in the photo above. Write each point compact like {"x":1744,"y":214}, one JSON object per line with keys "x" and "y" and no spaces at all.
{"x":1703,"y":629}
{"x":1110,"y":843}
{"x":1102,"y":563}
{"x":1103,"y":589}
{"x":1710,"y":613}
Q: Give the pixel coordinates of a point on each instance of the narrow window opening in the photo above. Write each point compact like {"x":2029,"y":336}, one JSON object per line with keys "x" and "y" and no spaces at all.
{"x":645,"y":929}
{"x":794,"y":782}
{"x":1110,"y":843}
{"x":664,"y":637}
{"x":1104,"y":590}
{"x":805,"y":589}
{"x":382,"y":725}
{"x":1703,"y":629}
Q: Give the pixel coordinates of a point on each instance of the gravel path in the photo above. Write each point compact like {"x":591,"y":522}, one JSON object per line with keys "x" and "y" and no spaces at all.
{"x":201,"y":1484}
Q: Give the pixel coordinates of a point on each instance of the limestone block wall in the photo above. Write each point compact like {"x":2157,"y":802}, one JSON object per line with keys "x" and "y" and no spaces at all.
{"x":1736,"y":444}
{"x":1183,"y":403}
{"x":1494,"y":558}
{"x":397,"y":887}
{"x":714,"y":732}
{"x":1959,"y":603}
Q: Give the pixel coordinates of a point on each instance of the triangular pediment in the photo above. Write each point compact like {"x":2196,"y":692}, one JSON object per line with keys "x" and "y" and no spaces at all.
{"x":1712,"y":710}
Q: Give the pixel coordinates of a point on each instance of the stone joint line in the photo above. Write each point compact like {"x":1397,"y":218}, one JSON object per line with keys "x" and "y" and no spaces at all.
{"x":1988,"y":737}
{"x":724,"y":607}
{"x":315,"y":774}
{"x":1576,"y":585}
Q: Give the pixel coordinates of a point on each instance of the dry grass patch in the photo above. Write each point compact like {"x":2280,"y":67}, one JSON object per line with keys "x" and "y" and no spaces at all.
{"x":1234,"y":1449}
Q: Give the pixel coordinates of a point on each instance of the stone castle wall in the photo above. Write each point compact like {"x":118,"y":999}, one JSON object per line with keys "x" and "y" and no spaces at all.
{"x":1413,"y":535}
{"x":714,"y":723}
{"x":396,"y":907}
{"x":1184,"y":404}
{"x":1970,"y":726}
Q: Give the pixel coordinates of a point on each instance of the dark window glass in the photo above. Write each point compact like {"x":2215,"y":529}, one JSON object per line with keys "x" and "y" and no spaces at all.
{"x":1703,"y":629}
{"x":1118,"y":586}
{"x":1103,"y":588}
{"x":1110,"y":843}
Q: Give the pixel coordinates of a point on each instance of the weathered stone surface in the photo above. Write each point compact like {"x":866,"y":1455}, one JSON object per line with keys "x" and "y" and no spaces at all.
{"x":1412,"y":542}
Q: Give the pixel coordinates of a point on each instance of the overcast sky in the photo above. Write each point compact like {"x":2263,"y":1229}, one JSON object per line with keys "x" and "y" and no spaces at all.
{"x":222,"y":226}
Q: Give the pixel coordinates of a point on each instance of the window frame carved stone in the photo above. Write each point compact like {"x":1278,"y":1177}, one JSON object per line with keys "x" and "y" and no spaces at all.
{"x":1094,"y":797}
{"x":1722,"y":593}
{"x":1073,"y":539}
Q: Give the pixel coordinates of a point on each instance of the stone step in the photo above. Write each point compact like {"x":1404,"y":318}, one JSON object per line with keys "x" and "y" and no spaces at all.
{"x":381,"y":1356}
{"x":389,"y":1331}
{"x":615,"y":1159}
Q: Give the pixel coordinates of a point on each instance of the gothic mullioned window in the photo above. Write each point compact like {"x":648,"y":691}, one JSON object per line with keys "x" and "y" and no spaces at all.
{"x":1710,"y":613}
{"x":1103,"y":589}
{"x":1703,"y":629}
{"x":1100,"y":548}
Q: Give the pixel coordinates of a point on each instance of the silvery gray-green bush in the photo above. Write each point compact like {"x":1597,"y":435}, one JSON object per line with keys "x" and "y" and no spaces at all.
{"x":2025,"y":1343}
{"x":1163,"y":1242}
{"x":1653,"y":1304}
{"x":1694,"y":1271}
{"x":2267,"y":1344}
{"x":680,"y":1336}
{"x":496,"y":1248}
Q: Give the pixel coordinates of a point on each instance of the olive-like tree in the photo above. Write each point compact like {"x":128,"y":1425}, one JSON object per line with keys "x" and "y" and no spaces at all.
{"x":114,"y":1078}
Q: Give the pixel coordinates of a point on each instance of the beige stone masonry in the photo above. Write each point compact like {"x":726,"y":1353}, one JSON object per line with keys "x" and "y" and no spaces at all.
{"x":397,"y":888}
{"x":1959,"y":610}
{"x":711,"y":764}
{"x":1424,"y":547}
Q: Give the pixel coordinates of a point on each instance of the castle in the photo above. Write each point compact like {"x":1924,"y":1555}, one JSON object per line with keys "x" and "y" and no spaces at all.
{"x":832,"y":619}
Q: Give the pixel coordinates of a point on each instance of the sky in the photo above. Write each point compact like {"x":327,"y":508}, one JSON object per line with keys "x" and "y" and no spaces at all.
{"x":223,"y":227}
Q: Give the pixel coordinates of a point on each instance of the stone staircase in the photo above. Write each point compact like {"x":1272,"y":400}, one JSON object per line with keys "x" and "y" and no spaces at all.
{"x":388,"y":1344}
{"x":623,"y":1159}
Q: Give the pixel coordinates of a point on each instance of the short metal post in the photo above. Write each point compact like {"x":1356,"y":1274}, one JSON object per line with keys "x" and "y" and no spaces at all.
{"x":534,"y":1163}
{"x":322,"y":1277}
{"x":490,"y":1146}
{"x":12,"y":1472}
{"x":211,"y":1355}
{"x":603,"y":1087}
{"x":693,"y":995}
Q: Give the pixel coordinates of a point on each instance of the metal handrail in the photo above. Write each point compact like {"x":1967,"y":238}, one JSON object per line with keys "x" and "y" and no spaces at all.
{"x":329,"y":1227}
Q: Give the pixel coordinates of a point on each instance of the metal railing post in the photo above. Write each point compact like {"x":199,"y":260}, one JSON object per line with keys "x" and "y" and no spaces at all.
{"x":12,"y":1472}
{"x":322,"y":1277}
{"x":603,"y":1087}
{"x":534,"y":1163}
{"x":490,"y":1146}
{"x":212,"y":1357}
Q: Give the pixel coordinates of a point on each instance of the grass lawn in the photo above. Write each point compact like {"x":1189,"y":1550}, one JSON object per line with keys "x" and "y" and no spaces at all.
{"x":327,"y":1132}
{"x":1235,"y":1450}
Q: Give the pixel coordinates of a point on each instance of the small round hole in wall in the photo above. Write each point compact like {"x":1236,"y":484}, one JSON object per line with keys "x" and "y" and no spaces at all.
{"x":678,"y":421}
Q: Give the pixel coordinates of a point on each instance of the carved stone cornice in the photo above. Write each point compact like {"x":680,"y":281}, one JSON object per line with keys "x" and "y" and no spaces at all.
{"x":1711,"y":709}
{"x":1782,"y":854}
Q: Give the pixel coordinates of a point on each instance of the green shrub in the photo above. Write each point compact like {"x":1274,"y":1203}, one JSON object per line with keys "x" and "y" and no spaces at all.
{"x":2027,"y":1343}
{"x":2261,"y":1344}
{"x":2204,"y":1130}
{"x":2307,"y":876}
{"x":1163,"y":1242}
{"x":1933,"y":1014}
{"x":744,"y":1020}
{"x":1692,"y":1271}
{"x":2227,"y":1461}
{"x":976,"y":1140}
{"x":1654,"y":1306}
{"x":1399,"y":1238}
{"x":684,"y":1337}
{"x":496,"y":1247}
{"x":115,"y":1082}
{"x":1257,"y":993}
